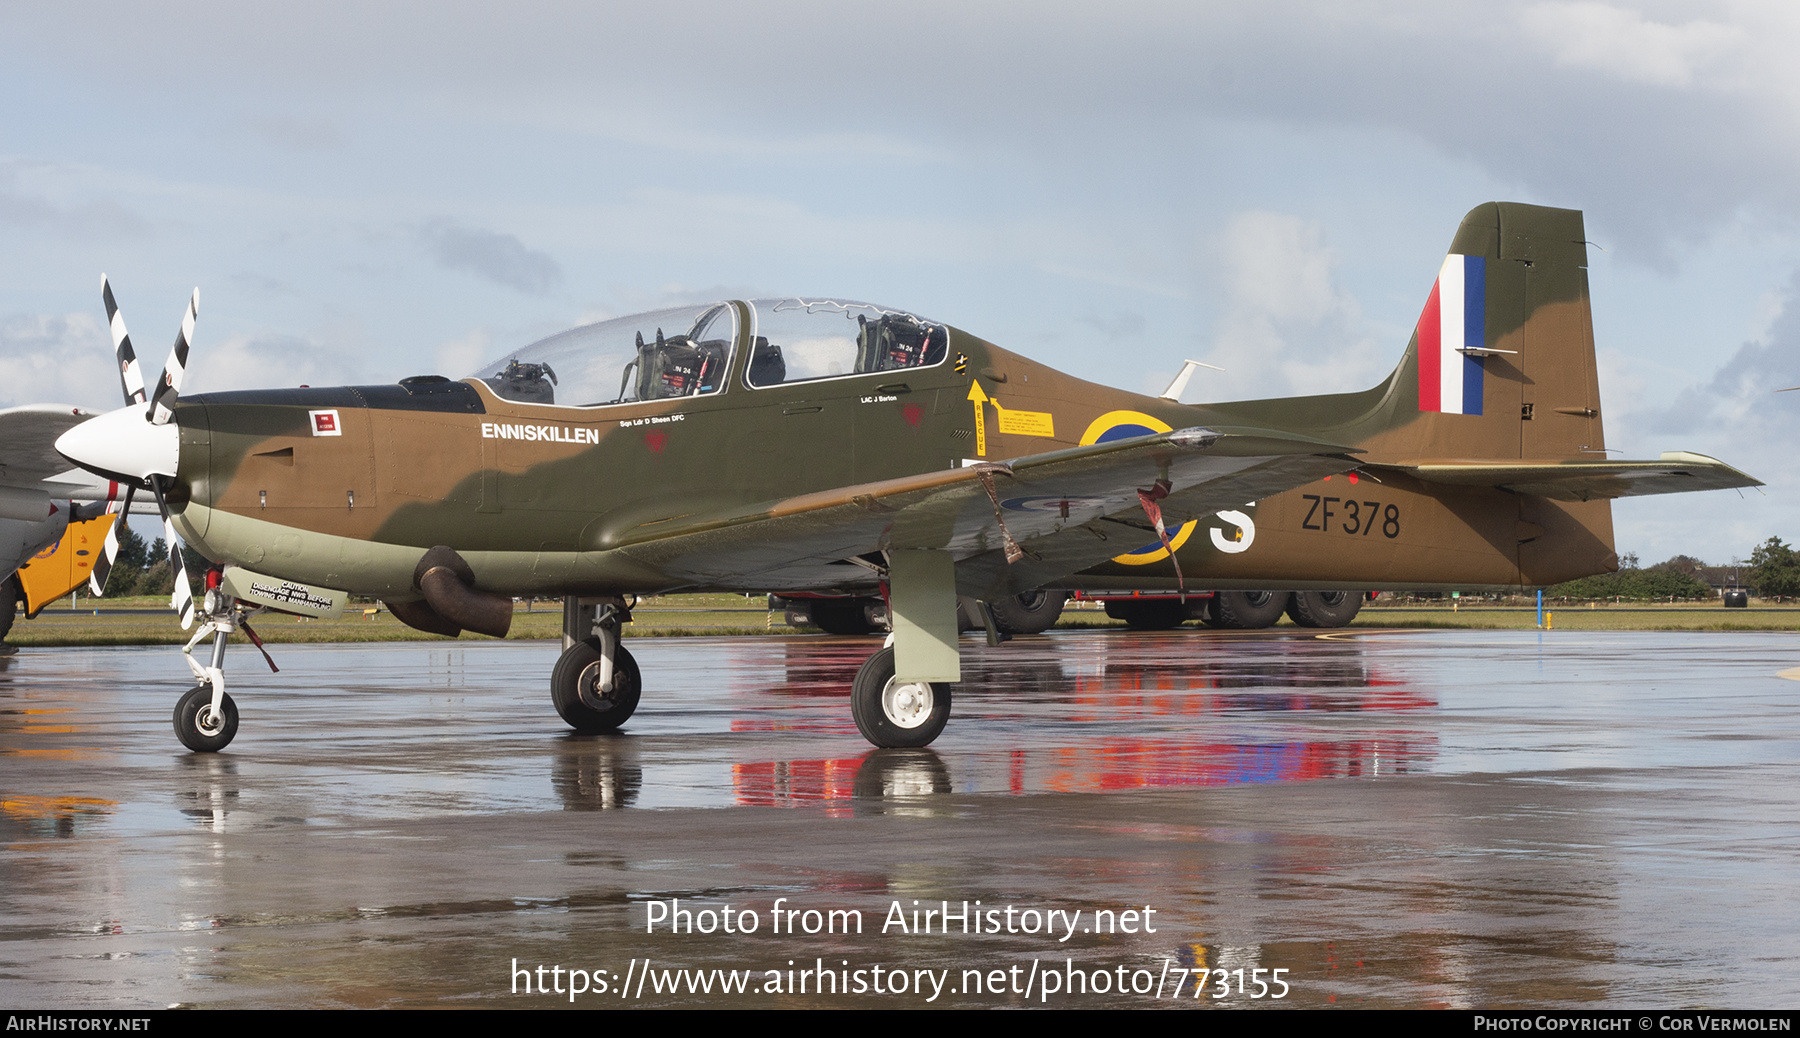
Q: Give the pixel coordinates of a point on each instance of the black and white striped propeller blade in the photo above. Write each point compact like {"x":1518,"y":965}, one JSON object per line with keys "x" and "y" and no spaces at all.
{"x":131,"y":375}
{"x":162,"y":405}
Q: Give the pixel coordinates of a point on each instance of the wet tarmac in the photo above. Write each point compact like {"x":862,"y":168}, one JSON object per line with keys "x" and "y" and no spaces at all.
{"x":1446,"y":818}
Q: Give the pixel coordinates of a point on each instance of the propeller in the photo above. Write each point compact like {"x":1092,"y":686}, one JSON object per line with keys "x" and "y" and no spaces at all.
{"x":118,"y":445}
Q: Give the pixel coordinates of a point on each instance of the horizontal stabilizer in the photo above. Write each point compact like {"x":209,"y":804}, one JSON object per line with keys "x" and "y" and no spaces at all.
{"x":1673,"y":473}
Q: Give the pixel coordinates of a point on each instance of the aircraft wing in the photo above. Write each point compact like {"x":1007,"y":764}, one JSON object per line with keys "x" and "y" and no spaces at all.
{"x":34,"y":478}
{"x":1067,"y":510}
{"x":1673,"y":473}
{"x":28,"y":442}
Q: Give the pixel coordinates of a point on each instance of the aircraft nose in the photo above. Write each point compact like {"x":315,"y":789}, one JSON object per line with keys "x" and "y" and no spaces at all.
{"x":123,"y":444}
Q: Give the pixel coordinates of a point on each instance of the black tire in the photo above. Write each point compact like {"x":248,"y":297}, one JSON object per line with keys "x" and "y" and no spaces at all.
{"x":840,"y":616}
{"x":895,"y":716}
{"x":1153,"y":615}
{"x":1249,"y":610}
{"x":574,"y":688}
{"x":195,"y":725}
{"x":1324,"y":608}
{"x":1033,"y":612}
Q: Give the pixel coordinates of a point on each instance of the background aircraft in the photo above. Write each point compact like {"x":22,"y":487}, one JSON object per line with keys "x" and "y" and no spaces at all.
{"x":53,"y":520}
{"x":807,"y":444}
{"x":56,"y":523}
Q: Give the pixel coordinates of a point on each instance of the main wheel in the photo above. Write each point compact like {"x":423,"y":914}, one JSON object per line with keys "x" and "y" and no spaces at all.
{"x":1324,"y":608}
{"x":1249,"y":610}
{"x":1033,"y":612}
{"x":575,"y":688}
{"x":897,"y":714}
{"x":196,"y":726}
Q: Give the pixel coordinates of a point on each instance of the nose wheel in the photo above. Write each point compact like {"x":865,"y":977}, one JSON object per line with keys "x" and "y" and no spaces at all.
{"x":199,"y":727}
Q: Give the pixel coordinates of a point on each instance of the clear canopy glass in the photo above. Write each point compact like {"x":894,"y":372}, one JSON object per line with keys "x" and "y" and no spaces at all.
{"x":798,"y":340}
{"x":681,"y":351}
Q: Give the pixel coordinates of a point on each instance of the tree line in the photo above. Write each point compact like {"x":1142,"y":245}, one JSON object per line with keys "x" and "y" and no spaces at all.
{"x":1773,"y":572}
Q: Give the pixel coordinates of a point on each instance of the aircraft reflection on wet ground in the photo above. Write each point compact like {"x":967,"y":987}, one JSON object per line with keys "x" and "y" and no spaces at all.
{"x":1066,"y":714}
{"x":1400,"y":818}
{"x":1276,"y":679}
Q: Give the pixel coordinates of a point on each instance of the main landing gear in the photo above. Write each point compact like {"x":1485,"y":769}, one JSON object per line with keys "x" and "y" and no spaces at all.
{"x":596,"y":683}
{"x":892,"y":713}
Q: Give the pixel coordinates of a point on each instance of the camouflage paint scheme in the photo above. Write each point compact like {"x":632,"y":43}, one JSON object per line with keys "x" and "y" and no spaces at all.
{"x":760,"y":489}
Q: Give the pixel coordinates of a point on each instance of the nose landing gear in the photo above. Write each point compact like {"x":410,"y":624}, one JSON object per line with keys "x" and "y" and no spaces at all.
{"x":206,"y":719}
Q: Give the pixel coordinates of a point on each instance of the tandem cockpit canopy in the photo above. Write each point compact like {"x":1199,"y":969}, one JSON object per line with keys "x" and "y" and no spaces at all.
{"x":688,"y":351}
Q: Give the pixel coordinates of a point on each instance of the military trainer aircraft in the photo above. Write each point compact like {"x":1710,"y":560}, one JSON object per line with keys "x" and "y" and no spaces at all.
{"x":811,"y":444}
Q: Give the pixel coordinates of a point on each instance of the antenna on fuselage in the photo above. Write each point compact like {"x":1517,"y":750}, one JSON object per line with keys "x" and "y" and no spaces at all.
{"x":1179,"y":386}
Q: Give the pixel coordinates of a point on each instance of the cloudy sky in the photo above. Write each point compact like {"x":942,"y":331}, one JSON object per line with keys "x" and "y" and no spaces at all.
{"x":366,"y":191}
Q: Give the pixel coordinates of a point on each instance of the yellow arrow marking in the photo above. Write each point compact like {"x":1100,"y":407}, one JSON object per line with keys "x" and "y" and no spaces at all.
{"x":977,"y":397}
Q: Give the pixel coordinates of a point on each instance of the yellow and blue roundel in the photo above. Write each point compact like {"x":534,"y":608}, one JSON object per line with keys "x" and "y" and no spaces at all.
{"x":1120,"y":425}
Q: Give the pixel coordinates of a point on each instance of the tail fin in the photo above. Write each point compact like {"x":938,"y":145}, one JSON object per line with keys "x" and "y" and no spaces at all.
{"x":1491,"y":423}
{"x":1499,"y":389}
{"x":1501,"y":364}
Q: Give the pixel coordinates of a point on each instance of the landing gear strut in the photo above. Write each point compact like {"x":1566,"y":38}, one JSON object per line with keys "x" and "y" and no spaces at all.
{"x":596,"y":683}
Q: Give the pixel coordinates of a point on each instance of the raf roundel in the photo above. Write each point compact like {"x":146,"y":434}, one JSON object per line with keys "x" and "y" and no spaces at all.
{"x":1120,"y":425}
